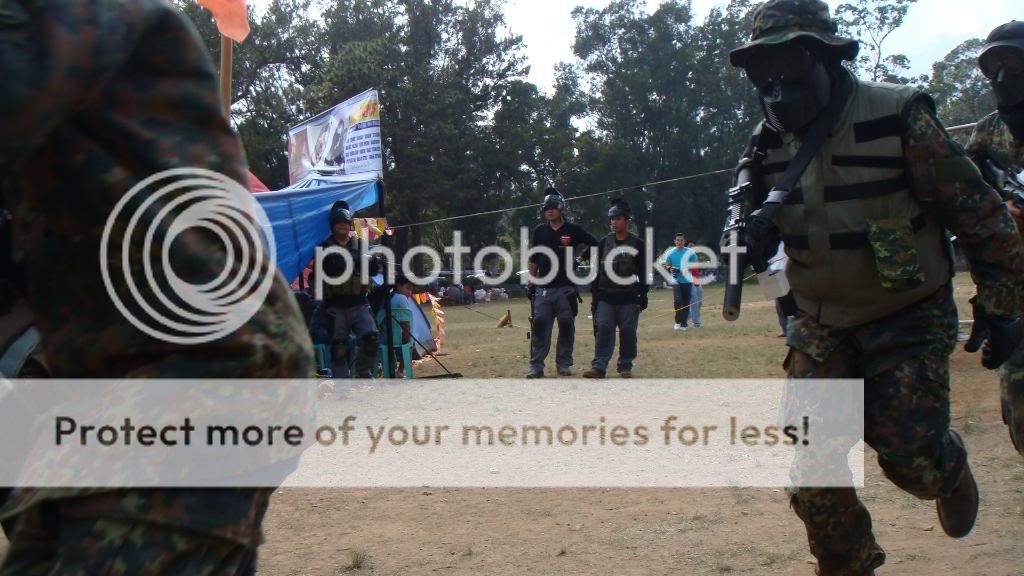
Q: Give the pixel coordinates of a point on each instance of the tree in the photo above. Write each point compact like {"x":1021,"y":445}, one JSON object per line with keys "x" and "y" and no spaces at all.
{"x":665,"y":103}
{"x":961,"y":91}
{"x":872,"y":22}
{"x":280,"y":55}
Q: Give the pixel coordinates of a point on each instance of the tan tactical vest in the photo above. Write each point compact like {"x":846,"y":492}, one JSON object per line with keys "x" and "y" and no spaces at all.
{"x":859,"y":246}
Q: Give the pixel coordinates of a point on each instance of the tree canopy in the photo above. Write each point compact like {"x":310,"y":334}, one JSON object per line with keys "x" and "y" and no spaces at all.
{"x":649,"y":97}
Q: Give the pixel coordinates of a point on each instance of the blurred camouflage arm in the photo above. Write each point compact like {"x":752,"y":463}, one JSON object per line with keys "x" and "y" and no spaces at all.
{"x":949,"y":187}
{"x":979,"y":149}
{"x":53,"y":56}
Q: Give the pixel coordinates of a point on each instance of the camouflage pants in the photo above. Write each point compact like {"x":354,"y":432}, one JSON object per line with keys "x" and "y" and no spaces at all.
{"x":1012,"y":392}
{"x":904,"y":361}
{"x":67,"y":538}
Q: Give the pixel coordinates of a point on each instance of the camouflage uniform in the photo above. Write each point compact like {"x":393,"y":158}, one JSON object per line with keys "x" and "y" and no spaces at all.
{"x":903,"y":356}
{"x":98,"y":95}
{"x":992,"y":140}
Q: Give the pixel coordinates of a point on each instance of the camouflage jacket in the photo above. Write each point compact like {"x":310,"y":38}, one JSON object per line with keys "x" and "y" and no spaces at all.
{"x":960,"y":200}
{"x":992,"y":139}
{"x":96,"y":96}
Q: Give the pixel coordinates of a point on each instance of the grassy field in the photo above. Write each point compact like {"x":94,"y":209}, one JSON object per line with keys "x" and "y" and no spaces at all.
{"x":748,"y":348}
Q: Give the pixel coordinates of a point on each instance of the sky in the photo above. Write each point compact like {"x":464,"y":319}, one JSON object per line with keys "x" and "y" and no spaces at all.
{"x":932,"y":28}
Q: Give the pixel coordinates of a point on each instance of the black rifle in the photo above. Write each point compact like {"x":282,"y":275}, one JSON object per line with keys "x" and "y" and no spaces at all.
{"x":530,"y":295}
{"x":742,"y":197}
{"x":10,"y":274}
{"x":1009,"y":182}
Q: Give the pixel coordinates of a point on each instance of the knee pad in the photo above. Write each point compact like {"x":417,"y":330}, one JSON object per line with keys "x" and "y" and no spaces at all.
{"x":370,"y":342}
{"x":339,"y":350}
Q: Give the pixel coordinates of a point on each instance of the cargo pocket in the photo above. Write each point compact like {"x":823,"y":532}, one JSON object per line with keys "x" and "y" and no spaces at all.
{"x":892,"y":241}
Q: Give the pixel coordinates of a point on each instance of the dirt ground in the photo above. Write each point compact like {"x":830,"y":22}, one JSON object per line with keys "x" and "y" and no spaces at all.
{"x":331,"y":532}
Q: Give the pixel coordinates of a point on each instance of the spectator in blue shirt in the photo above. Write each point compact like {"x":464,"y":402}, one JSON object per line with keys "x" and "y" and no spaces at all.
{"x":679,"y":260}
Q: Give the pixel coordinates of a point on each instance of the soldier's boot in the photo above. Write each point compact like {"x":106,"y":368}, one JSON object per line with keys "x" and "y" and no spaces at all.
{"x":593,"y":373}
{"x":958,"y":510}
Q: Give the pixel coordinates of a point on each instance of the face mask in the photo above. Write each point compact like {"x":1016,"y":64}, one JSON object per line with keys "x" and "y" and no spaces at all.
{"x":1013,"y":117}
{"x":1004,"y":68}
{"x":791,"y":106}
{"x":792,"y":83}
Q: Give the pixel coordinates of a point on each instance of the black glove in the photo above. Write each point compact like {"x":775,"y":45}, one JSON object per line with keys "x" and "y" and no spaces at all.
{"x":531,"y":292}
{"x":641,"y":301}
{"x":999,"y":334}
{"x":762,"y":239}
{"x":594,"y":297}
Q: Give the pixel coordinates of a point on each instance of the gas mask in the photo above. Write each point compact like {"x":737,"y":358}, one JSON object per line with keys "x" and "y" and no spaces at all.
{"x":793,"y":85}
{"x":1004,"y":68}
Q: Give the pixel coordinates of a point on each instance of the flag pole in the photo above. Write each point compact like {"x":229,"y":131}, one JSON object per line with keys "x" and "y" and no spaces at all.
{"x":225,"y":74}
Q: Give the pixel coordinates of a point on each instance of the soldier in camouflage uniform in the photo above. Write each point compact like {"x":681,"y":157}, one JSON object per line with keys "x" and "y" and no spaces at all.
{"x":997,"y":144}
{"x":96,"y":96}
{"x":868,"y":265}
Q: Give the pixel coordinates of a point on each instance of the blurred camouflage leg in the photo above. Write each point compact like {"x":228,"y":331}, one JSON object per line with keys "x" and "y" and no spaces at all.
{"x":907,"y":423}
{"x":1012,"y":397}
{"x":87,"y":535}
{"x":33,"y":542}
{"x":838,"y":525}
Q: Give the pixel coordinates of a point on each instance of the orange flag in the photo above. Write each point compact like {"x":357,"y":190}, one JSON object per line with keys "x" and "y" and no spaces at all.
{"x":231,"y":17}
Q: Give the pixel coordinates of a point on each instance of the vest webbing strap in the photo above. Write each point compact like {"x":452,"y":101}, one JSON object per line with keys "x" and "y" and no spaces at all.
{"x":847,"y":240}
{"x":887,"y":162}
{"x":884,"y":127}
{"x":853,"y":191}
{"x":884,"y":162}
{"x":865,"y":189}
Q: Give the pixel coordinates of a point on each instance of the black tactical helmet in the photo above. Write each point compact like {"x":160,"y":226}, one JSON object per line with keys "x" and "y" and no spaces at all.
{"x":340,"y":213}
{"x":619,"y":207}
{"x":553,"y":199}
{"x":1009,"y":35}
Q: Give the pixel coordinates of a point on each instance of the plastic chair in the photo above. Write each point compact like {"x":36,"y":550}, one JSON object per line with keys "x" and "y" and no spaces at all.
{"x":398,"y":315}
{"x":323,"y":360}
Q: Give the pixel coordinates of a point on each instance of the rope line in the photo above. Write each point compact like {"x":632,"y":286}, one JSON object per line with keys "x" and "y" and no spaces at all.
{"x":581,"y":197}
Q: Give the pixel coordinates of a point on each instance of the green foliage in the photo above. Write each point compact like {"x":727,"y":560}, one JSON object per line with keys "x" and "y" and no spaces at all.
{"x":872,"y":22}
{"x":961,"y":92}
{"x":649,"y":97}
{"x":665,"y":103}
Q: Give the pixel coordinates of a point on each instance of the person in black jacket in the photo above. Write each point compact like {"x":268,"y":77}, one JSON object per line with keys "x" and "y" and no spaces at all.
{"x":557,"y":298}
{"x":620,"y":293}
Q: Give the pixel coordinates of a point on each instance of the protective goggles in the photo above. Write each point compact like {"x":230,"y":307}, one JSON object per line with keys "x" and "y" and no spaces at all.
{"x":785,"y":63}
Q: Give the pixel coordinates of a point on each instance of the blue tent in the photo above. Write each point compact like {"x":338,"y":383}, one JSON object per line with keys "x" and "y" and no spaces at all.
{"x":298,"y":214}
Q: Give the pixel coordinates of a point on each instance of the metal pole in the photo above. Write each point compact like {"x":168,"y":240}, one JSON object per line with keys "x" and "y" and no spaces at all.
{"x":388,"y":328}
{"x":225,"y":74}
{"x":961,"y":128}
